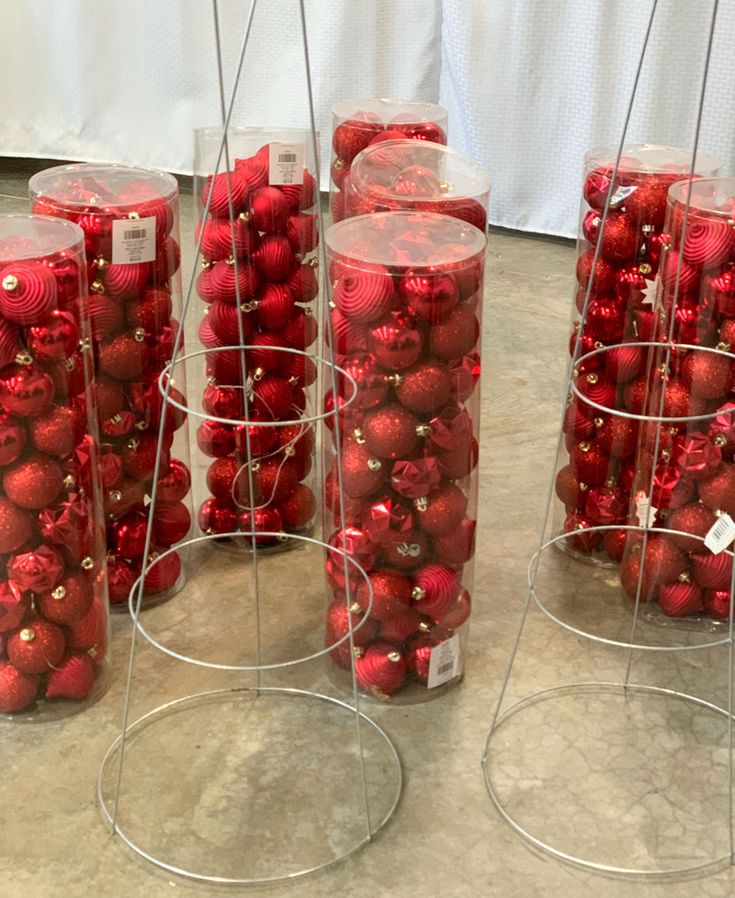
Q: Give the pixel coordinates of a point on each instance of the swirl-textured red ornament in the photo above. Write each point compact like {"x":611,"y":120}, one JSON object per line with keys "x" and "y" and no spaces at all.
{"x":712,"y":571}
{"x":680,"y":599}
{"x":436,"y":587}
{"x":381,"y":670}
{"x":364,"y":296}
{"x":274,"y":259}
{"x":224,"y":191}
{"x":222,"y":238}
{"x":27,"y":292}
{"x":717,"y":602}
{"x":708,"y":243}
{"x":73,"y":678}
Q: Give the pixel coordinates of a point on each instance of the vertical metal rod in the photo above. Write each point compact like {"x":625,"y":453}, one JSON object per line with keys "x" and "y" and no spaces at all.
{"x":575,"y":355}
{"x":667,"y":353}
{"x":241,"y":333}
{"x":178,"y":344}
{"x":337,"y":433}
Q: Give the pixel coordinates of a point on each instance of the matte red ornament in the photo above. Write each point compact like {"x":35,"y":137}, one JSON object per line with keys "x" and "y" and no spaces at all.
{"x":223,"y":238}
{"x":216,"y":516}
{"x":578,"y":423}
{"x":36,"y":647}
{"x":171,"y":523}
{"x":126,"y":496}
{"x":33,"y":482}
{"x":364,"y":296}
{"x":598,"y":389}
{"x":430,"y":293}
{"x":303,"y":283}
{"x":381,"y":671}
{"x":425,"y":388}
{"x":25,"y":391}
{"x":718,"y":491}
{"x":457,"y":613}
{"x":298,"y":509}
{"x":215,"y":439}
{"x":226,"y":191}
{"x":603,"y":281}
{"x":568,"y":488}
{"x":436,"y":587}
{"x":90,"y":633}
{"x":67,"y":602}
{"x":274,"y":259}
{"x":623,"y":363}
{"x":140,"y":456}
{"x":590,"y":462}
{"x":121,"y":577}
{"x":73,"y":678}
{"x":398,"y":629}
{"x":28,"y":292}
{"x":580,"y":538}
{"x":712,"y":571}
{"x":228,"y":281}
{"x":164,"y":574}
{"x":394,"y":342}
{"x":109,"y":399}
{"x":265,"y":354}
{"x":300,"y":196}
{"x":17,"y":690}
{"x":457,"y":547}
{"x":167,"y":261}
{"x":301,"y":330}
{"x":689,"y":277}
{"x":444,"y":510}
{"x":680,"y":599}
{"x":125,"y":281}
{"x":275,"y":308}
{"x":175,"y":483}
{"x":302,"y":233}
{"x":695,"y":519}
{"x":647,"y":203}
{"x":717,"y":602}
{"x":255,"y":168}
{"x":391,"y":594}
{"x":261,"y":522}
{"x":8,"y":343}
{"x":458,"y":463}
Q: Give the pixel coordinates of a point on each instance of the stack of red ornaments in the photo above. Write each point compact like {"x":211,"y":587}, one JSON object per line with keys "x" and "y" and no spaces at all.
{"x":53,"y":602}
{"x":359,"y":124}
{"x":259,"y":279}
{"x":406,"y":292}
{"x":130,"y":308}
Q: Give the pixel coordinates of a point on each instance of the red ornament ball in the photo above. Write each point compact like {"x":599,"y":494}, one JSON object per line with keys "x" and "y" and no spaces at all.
{"x":695,"y":519}
{"x":712,"y":571}
{"x":175,"y":484}
{"x":395,"y":342}
{"x":33,"y":482}
{"x":68,"y":602}
{"x":215,"y":439}
{"x":274,"y":259}
{"x":362,"y":473}
{"x":455,"y":335}
{"x":123,"y":358}
{"x":28,"y":292}
{"x":299,"y":508}
{"x":381,"y":671}
{"x":436,"y":587}
{"x":58,"y":430}
{"x":590,"y":462}
{"x":121,"y":577}
{"x":25,"y":391}
{"x":458,"y":547}
{"x":73,"y":678}
{"x":614,"y":542}
{"x":425,"y":388}
{"x":162,"y":575}
{"x":708,"y":375}
{"x":390,"y":431}
{"x":718,"y":491}
{"x":36,"y":647}
{"x":171,"y":523}
{"x":364,"y":296}
{"x":17,"y":690}
{"x":444,"y":510}
{"x":12,"y":439}
{"x":217,"y":517}
{"x":391,"y":594}
{"x":680,"y":599}
{"x":620,"y":238}
{"x":430,"y":294}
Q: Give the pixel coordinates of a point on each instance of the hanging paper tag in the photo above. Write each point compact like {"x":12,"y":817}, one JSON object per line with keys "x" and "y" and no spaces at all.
{"x":286,"y":163}
{"x":644,"y":511}
{"x":133,"y":240}
{"x":720,"y":534}
{"x":443,"y":662}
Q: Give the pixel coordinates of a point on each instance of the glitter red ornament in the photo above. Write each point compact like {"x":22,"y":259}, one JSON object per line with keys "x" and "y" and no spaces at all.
{"x":17,"y":690}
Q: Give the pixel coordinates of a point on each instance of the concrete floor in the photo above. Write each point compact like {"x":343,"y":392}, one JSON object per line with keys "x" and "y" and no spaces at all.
{"x":446,"y":838}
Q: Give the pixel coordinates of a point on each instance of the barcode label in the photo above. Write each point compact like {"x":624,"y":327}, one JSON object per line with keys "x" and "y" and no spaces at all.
{"x":133,"y":240}
{"x":720,"y":534}
{"x":286,"y":163}
{"x":444,"y":662}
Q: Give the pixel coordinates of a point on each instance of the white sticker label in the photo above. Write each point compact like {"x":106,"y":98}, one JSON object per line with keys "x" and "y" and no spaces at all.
{"x":286,"y":163}
{"x":644,"y":511}
{"x":443,"y":662}
{"x":720,"y":534}
{"x":133,"y":240}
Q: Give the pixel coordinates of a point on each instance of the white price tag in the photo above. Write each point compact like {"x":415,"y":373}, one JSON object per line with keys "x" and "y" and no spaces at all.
{"x":133,"y":240}
{"x":443,"y":662}
{"x":644,"y":511}
{"x":720,"y":534}
{"x":286,"y":163}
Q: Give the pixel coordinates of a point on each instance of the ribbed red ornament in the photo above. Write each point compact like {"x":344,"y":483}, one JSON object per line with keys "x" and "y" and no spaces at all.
{"x":680,"y":599}
{"x":164,"y":574}
{"x":90,"y":633}
{"x":171,"y":523}
{"x":303,"y":283}
{"x":712,"y":571}
{"x":274,"y":259}
{"x":623,"y":363}
{"x":28,"y":292}
{"x":708,"y":243}
{"x":275,"y":307}
{"x":226,"y":192}
{"x":302,"y":233}
{"x":272,"y":397}
{"x":220,"y":235}
{"x":381,"y":670}
{"x":73,"y":678}
{"x":229,"y":282}
{"x":364,"y":296}
{"x":436,"y":587}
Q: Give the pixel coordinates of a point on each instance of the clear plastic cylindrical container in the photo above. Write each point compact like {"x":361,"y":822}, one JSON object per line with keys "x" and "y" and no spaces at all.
{"x":54,"y":622}
{"x":130,"y":218}
{"x":416,"y":175}
{"x":258,"y":238}
{"x":359,"y":123}
{"x":685,"y":470}
{"x":595,"y":466}
{"x":405,"y":311}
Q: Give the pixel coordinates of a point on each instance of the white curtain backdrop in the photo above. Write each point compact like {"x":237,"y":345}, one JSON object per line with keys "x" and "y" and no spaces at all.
{"x":529,"y":84}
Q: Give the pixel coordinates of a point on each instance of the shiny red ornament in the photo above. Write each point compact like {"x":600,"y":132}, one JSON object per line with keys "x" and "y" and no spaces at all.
{"x":175,"y":483}
{"x":121,"y":577}
{"x":697,"y":455}
{"x":606,"y":505}
{"x":14,"y":606}
{"x":275,"y":307}
{"x":450,"y":430}
{"x":394,"y":342}
{"x":613,"y":542}
{"x":631,"y":286}
{"x":568,"y":488}
{"x":605,"y":319}
{"x":128,"y":534}
{"x":17,"y":690}
{"x":416,"y":181}
{"x":407,"y":553}
{"x":370,"y":379}
{"x":274,"y":259}
{"x":602,"y":275}
{"x":465,"y":373}
{"x":28,"y":292}
{"x":216,"y":516}
{"x":388,"y":521}
{"x":671,"y":488}
{"x":719,"y":289}
{"x":36,"y":647}
{"x":215,"y":439}
{"x":354,"y":134}
{"x":33,"y":482}
{"x":164,"y":574}
{"x":722,"y":428}
{"x":597,"y":188}
{"x":430,"y":293}
{"x":708,"y":243}
{"x":390,"y":431}
{"x":419,"y":649}
{"x":436,"y":587}
{"x":262,"y":522}
{"x":355,"y":542}
{"x":139,"y":456}
{"x":298,"y":509}
{"x":226,"y":193}
{"x":443,"y":511}
{"x":425,"y":388}
{"x":171,"y":523}
{"x":695,"y":519}
{"x":591,"y":225}
{"x":67,"y":602}
{"x":417,"y":477}
{"x":109,"y":399}
{"x":364,"y":296}
{"x":391,"y":594}
{"x":717,"y":602}
{"x":223,"y":402}
{"x":712,"y":571}
{"x":54,"y":340}
{"x":580,"y":538}
{"x":253,"y":439}
{"x":12,"y":439}
{"x":25,"y":391}
{"x":128,"y":495}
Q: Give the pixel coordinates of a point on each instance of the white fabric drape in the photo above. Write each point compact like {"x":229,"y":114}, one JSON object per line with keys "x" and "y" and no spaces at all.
{"x":529,"y":84}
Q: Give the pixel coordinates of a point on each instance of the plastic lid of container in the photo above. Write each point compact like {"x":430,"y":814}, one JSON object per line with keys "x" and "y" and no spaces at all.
{"x":653,"y":158}
{"x":377,"y":172}
{"x":404,"y":240}
{"x":716,"y":196}
{"x":387,"y":111}
{"x":25,"y":237}
{"x":85,"y":185}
